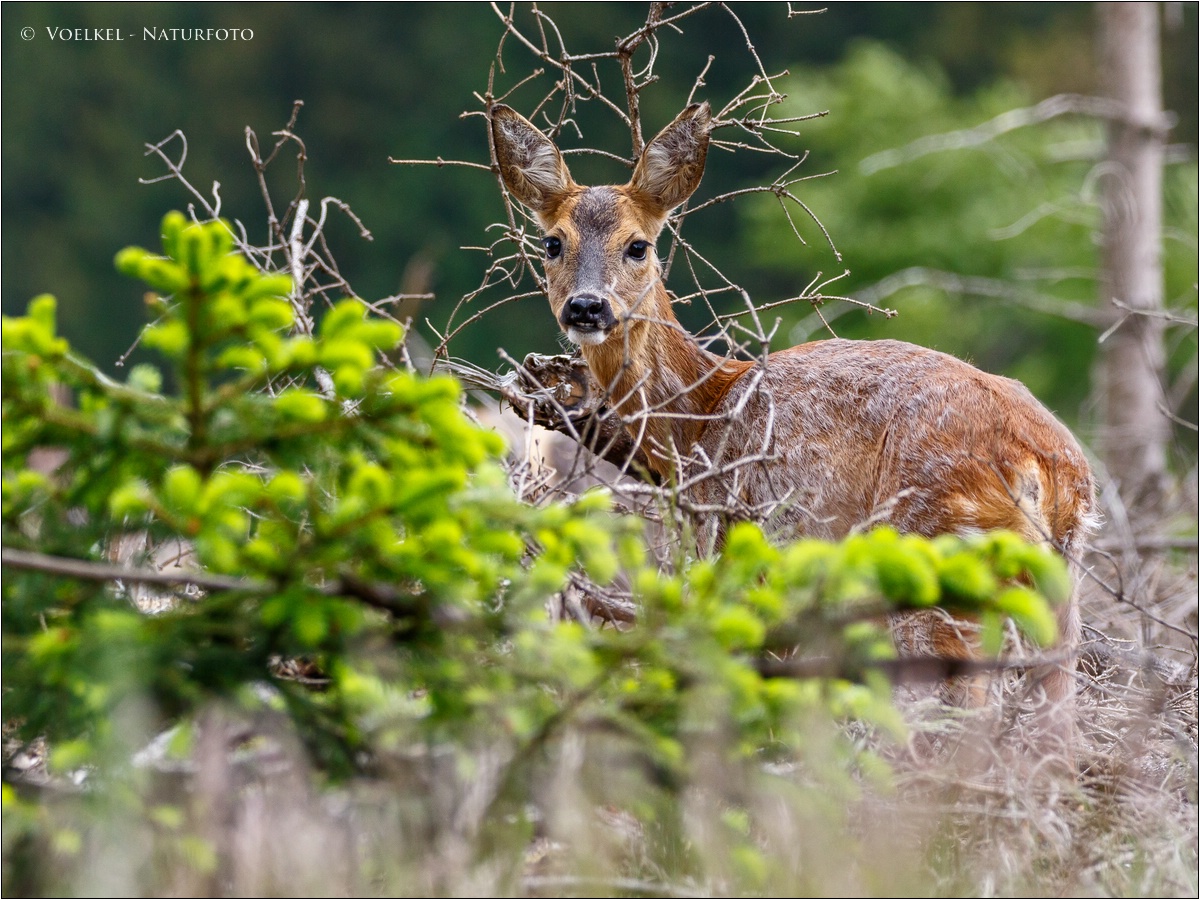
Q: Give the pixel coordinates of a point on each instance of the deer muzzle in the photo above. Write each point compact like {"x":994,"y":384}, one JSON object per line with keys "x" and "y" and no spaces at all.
{"x":587,"y":318}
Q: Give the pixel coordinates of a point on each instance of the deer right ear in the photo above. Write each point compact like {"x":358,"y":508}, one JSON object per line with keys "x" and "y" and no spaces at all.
{"x":672,"y":164}
{"x":530,"y":165}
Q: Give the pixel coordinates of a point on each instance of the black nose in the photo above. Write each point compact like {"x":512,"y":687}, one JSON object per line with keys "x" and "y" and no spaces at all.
{"x":585,"y":310}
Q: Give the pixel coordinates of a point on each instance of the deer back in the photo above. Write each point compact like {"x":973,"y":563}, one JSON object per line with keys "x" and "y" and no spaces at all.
{"x":836,"y":435}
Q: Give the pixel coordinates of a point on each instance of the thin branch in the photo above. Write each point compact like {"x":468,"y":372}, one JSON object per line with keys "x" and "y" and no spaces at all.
{"x":1013,"y":119}
{"x":905,"y":670}
{"x":86,"y":570}
{"x":379,"y":596}
{"x":440,"y":163}
{"x":979,"y":286}
{"x":584,"y":885}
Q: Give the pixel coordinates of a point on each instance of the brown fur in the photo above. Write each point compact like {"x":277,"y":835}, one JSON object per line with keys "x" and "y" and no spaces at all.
{"x":828,"y":436}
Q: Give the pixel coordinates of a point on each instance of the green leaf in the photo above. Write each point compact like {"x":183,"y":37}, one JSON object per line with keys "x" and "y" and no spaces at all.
{"x":1030,"y":613}
{"x":905,"y":576}
{"x":309,"y":624}
{"x":341,"y":319}
{"x":737,"y":628}
{"x":129,"y":500}
{"x":964,"y":576}
{"x":170,"y":337}
{"x":181,"y":488}
{"x":301,"y":405}
{"x":270,"y":312}
{"x":1050,"y":574}
{"x":145,"y":377}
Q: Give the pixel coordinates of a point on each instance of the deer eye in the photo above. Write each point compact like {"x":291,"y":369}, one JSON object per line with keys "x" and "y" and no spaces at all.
{"x":553,"y":247}
{"x":637,"y":250}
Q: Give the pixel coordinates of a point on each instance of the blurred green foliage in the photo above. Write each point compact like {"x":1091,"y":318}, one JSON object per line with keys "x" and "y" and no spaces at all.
{"x":372,"y":532}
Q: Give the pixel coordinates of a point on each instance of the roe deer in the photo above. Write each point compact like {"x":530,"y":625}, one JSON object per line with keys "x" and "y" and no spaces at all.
{"x":828,"y":436}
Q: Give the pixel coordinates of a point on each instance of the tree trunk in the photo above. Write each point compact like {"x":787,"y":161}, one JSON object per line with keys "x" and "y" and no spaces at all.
{"x":1135,"y":430}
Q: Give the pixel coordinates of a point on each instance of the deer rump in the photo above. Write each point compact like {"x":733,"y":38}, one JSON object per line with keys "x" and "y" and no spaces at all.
{"x":816,"y":440}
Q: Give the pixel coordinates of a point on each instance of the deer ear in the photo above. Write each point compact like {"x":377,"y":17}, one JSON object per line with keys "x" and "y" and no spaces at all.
{"x":672,"y":164}
{"x":530,"y":165}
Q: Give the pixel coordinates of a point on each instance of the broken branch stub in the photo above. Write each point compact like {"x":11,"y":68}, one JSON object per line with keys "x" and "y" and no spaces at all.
{"x":561,"y":394}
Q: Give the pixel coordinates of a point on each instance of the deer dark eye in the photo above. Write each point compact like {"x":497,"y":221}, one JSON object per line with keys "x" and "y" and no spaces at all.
{"x":553,"y":247}
{"x":637,"y":250}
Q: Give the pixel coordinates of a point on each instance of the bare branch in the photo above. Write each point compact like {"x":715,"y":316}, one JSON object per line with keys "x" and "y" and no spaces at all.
{"x":93,"y":571}
{"x":1051,"y":108}
{"x":978,"y":286}
{"x":907,"y":670}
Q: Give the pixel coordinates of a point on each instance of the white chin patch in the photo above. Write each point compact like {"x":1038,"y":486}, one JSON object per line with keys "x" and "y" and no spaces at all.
{"x":583,"y":338}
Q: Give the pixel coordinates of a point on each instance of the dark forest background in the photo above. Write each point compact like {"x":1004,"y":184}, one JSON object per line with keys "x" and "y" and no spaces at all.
{"x":380,"y":80}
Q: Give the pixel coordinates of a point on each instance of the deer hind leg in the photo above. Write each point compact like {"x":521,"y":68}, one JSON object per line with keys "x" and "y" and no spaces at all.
{"x":936,"y":633}
{"x":1052,"y":686}
{"x":1021,"y":506}
{"x":1056,"y":720}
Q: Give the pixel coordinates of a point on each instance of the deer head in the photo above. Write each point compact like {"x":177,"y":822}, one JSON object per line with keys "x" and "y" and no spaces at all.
{"x":602,"y":270}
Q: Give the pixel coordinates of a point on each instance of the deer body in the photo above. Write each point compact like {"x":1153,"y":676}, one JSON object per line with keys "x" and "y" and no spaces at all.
{"x":817,"y":439}
{"x":885,"y":432}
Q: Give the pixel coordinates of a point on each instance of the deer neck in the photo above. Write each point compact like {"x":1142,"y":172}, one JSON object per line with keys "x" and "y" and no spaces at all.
{"x":662,"y":383}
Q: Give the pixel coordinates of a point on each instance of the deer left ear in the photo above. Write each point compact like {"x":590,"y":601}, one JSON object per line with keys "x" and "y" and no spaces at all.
{"x":531,"y":166}
{"x":673,"y":163}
